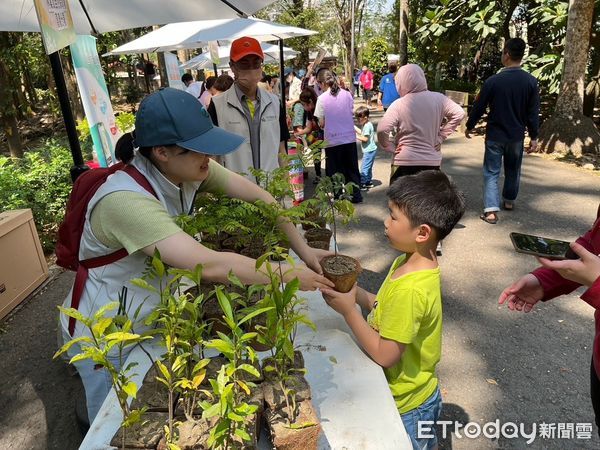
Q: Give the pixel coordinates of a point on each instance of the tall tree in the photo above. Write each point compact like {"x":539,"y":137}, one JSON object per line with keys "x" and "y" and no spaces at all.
{"x":8,"y":111}
{"x":568,"y":130}
{"x":403,"y":26}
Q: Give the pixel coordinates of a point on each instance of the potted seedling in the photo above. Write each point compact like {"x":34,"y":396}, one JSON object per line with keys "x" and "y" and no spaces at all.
{"x":289,"y":411}
{"x":108,"y":337}
{"x":236,"y":403}
{"x":332,"y":198}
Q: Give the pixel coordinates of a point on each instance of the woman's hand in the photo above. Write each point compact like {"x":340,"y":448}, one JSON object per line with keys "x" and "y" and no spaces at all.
{"x":342,"y":303}
{"x":523,"y":294}
{"x":313,"y":256}
{"x":584,"y":271}
{"x":309,"y":279}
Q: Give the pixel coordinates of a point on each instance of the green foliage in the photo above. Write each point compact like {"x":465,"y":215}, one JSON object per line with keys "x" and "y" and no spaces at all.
{"x":40,"y":181}
{"x":125,"y":122}
{"x":332,"y":200}
{"x":231,"y":392}
{"x":108,"y":336}
{"x":283,"y":316}
{"x":375,"y":57}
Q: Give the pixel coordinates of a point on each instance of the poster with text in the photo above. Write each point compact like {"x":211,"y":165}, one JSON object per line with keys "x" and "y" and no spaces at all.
{"x":173,"y":71}
{"x":56,"y":24}
{"x":95,"y":99}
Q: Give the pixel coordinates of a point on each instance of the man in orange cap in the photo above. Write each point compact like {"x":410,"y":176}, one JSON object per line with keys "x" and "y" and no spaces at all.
{"x":249,"y":111}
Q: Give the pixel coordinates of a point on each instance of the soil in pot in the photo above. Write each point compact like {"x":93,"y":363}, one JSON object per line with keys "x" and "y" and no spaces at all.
{"x":318,"y":234}
{"x":147,"y":433}
{"x":234,"y":243}
{"x":211,"y":241}
{"x":342,"y":270}
{"x":253,"y":251}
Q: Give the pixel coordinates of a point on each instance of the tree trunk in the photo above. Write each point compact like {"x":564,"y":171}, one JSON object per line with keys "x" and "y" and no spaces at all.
{"x":11,"y":129}
{"x":403,"y":45}
{"x":72,"y":89}
{"x":8,"y":117}
{"x":568,"y":130}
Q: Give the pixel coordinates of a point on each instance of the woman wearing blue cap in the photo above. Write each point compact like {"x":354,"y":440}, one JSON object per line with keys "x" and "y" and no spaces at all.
{"x":175,"y":136}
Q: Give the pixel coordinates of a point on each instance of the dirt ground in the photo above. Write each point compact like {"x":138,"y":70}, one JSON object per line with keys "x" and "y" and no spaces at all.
{"x":496,"y":365}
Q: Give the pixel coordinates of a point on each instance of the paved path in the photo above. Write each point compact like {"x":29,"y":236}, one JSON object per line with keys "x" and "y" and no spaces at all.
{"x":495,"y":365}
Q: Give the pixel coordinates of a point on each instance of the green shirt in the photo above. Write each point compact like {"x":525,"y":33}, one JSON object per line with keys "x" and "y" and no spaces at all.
{"x":144,"y":221}
{"x":409,"y":311}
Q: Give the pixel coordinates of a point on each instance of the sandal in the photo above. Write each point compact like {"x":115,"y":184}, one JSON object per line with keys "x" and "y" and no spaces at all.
{"x":508,"y":205}
{"x":486,"y":217}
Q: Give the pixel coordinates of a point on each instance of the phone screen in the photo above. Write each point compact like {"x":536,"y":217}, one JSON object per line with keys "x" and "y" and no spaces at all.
{"x":541,"y":246}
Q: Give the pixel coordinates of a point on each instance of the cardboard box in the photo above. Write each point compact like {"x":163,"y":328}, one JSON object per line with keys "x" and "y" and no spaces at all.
{"x":22,"y":264}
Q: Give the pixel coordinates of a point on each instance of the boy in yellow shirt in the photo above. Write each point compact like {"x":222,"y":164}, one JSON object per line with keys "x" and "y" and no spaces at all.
{"x":403,"y":331}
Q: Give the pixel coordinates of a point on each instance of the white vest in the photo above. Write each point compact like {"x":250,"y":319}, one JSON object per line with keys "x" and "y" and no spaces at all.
{"x":105,"y":284}
{"x":231,"y":117}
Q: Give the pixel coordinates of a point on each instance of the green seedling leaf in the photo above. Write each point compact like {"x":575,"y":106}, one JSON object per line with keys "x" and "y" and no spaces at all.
{"x":143,"y":284}
{"x":254,"y":313}
{"x":134,"y":417}
{"x":100,"y":327}
{"x":332,"y":359}
{"x":242,"y":433}
{"x":122,"y":337}
{"x":130,"y":389}
{"x":224,"y":303}
{"x":249,"y":369}
{"x":72,"y":312}
{"x":163,"y":369}
{"x":102,"y":311}
{"x":72,"y":342}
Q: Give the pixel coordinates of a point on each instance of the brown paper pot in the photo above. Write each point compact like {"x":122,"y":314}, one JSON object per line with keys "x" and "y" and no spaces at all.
{"x":323,"y":245}
{"x":318,"y":234}
{"x":342,"y":270}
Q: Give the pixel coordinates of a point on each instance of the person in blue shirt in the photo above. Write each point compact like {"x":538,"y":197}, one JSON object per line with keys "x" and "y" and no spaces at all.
{"x":366,"y":136}
{"x":513,"y":99}
{"x":387,"y":88}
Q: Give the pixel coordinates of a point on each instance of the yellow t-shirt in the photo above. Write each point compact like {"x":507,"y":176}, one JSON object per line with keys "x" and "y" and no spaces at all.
{"x":409,"y":311}
{"x":144,"y":221}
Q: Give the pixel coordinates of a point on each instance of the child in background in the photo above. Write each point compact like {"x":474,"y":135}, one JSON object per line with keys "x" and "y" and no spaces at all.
{"x":403,"y":331}
{"x":366,"y":136}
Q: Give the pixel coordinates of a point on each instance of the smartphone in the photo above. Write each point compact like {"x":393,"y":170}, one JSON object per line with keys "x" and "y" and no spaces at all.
{"x":541,"y":246}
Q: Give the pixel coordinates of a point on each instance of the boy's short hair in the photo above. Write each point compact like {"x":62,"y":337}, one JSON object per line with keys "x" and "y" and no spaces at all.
{"x":361,"y":111}
{"x":431,"y":198}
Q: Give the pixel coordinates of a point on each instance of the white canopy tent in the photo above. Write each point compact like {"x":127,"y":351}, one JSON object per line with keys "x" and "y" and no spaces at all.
{"x":186,"y":35}
{"x":100,"y":16}
{"x":203,"y":61}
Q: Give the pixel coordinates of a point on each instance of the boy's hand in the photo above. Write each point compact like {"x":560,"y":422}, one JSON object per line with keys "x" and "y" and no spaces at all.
{"x":342,"y":303}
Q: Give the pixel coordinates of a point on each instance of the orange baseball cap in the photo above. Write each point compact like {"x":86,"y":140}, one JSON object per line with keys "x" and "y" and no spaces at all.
{"x":245,"y":46}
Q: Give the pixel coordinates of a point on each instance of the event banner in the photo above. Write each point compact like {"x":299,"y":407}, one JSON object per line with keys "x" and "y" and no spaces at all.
{"x":173,"y":71}
{"x":56,"y":24}
{"x":95,"y":98}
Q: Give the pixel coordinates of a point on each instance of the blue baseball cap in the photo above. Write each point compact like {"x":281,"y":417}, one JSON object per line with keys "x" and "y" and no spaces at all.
{"x":171,"y":116}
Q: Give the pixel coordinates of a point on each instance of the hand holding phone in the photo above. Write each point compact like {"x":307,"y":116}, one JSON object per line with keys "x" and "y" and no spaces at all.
{"x":585,"y":270}
{"x":542,"y":247}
